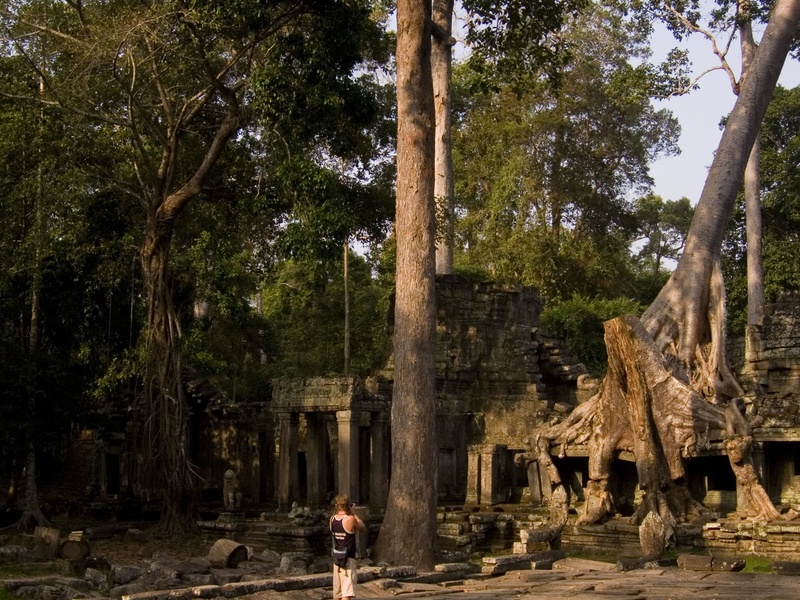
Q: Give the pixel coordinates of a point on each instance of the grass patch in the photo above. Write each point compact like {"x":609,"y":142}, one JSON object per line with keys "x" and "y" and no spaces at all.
{"x":756,"y":564}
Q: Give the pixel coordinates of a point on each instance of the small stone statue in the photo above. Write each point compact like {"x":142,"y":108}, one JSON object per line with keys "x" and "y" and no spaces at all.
{"x":231,"y":496}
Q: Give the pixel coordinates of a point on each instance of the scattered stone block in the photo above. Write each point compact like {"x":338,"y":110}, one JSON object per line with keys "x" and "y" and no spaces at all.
{"x":652,"y":536}
{"x":397,"y":572}
{"x":786,"y":567}
{"x":582,"y":564}
{"x":198,"y":579}
{"x":227,"y":553}
{"x":225,"y":576}
{"x":206,"y":591}
{"x":464,"y":567}
{"x":122,"y":574}
{"x":727,"y":564}
{"x":694,"y":562}
{"x":385,"y":584}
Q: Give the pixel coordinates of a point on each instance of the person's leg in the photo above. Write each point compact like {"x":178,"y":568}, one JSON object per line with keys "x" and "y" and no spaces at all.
{"x":337,"y":582}
{"x":348,"y":581}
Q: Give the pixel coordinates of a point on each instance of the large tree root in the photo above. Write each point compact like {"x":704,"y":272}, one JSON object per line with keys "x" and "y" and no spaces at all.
{"x":644,"y":407}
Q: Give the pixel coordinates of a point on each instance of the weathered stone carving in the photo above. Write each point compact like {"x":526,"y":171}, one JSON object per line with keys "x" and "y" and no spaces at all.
{"x":231,"y":496}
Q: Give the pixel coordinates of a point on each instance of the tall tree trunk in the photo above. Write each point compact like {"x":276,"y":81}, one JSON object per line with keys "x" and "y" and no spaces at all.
{"x":677,"y":319}
{"x":346,"y":276}
{"x":752,"y":202}
{"x":167,"y":470}
{"x":408,"y":533}
{"x":32,"y":513}
{"x":441,"y":62}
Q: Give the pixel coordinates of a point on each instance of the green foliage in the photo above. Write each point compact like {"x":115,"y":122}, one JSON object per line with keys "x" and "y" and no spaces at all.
{"x":513,"y":38}
{"x":304,"y":305}
{"x":543,"y":175}
{"x":780,"y":211}
{"x":663,"y":228}
{"x":579,"y":322}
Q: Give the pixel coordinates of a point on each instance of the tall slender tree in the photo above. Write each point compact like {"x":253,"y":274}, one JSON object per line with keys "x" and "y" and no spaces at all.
{"x":409,"y":524}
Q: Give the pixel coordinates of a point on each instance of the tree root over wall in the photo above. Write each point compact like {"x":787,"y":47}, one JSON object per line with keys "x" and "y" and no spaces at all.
{"x":647,"y":407}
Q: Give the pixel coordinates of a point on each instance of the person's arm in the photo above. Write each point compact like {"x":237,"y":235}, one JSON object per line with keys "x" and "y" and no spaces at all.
{"x":352,"y":523}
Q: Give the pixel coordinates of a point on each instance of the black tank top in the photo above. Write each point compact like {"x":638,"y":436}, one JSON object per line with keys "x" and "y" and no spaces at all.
{"x":342,"y":539}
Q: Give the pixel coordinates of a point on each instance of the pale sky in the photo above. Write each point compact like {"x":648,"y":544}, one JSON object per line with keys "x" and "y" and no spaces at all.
{"x":699,"y":114}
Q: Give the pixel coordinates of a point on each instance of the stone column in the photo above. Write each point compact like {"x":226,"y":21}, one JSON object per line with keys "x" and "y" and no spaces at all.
{"x":534,"y":485}
{"x":316,"y":471}
{"x":347,"y":421}
{"x":473,"y":475}
{"x":287,"y":476}
{"x":379,"y":471}
{"x":491,"y":457}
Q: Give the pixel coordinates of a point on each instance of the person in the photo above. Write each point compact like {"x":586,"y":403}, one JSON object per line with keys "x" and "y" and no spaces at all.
{"x":343,"y":525}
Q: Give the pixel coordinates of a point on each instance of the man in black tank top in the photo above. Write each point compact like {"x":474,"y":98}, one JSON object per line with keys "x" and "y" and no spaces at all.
{"x":344,"y":525}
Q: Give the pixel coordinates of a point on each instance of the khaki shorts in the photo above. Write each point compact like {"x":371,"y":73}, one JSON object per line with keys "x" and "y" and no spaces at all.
{"x":344,"y":580}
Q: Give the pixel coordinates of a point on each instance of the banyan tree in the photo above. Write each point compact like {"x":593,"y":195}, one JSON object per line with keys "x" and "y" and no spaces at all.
{"x":668,"y":386}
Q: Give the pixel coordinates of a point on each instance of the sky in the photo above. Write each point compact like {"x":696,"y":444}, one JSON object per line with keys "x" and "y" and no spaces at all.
{"x":699,"y":114}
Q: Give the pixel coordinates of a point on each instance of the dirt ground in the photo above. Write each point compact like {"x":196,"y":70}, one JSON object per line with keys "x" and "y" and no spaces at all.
{"x":121,"y":549}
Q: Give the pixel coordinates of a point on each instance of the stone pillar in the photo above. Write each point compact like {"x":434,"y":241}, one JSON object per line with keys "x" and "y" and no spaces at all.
{"x":379,"y":471}
{"x":316,"y":471}
{"x":347,"y":421}
{"x":491,"y":469}
{"x":473,"y":475}
{"x":287,"y":476}
{"x":534,"y":485}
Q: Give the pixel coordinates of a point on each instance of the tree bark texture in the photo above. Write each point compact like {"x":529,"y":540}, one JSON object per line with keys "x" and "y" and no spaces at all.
{"x":441,"y":63}
{"x":164,"y":443}
{"x":645,"y":409}
{"x":408,"y":533}
{"x":752,"y":195}
{"x":680,"y":318}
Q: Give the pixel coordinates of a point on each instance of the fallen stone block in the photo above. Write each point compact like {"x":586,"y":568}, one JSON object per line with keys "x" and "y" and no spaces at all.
{"x":224,"y":576}
{"x":398,"y":572}
{"x":240,"y":588}
{"x":318,"y":580}
{"x":582,"y":564}
{"x":206,"y":591}
{"x":786,"y":567}
{"x":385,"y":584}
{"x":727,"y":564}
{"x":455,"y":568}
{"x":694,"y":562}
{"x":122,"y":574}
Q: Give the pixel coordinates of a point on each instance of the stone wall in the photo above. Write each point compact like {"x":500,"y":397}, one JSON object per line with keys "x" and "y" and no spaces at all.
{"x":495,"y":366}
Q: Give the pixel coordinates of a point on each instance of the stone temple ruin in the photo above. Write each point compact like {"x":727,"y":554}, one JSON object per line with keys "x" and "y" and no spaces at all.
{"x":499,"y":377}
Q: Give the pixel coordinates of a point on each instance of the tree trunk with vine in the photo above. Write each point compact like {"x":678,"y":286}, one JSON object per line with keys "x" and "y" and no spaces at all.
{"x":167,"y":470}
